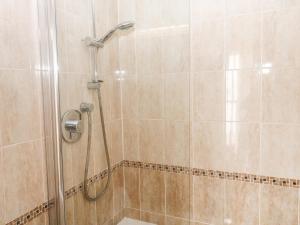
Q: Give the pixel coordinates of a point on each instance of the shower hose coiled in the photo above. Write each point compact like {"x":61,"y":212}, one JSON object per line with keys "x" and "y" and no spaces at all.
{"x":87,"y":162}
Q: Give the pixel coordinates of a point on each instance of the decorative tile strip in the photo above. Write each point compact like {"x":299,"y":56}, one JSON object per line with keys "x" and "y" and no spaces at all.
{"x":251,"y":178}
{"x":245,"y":177}
{"x":37,"y":211}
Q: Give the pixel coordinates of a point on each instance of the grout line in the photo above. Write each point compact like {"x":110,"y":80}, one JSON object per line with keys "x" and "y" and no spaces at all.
{"x":22,"y":142}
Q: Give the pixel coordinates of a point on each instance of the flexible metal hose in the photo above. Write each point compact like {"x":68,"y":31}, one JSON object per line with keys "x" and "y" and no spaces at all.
{"x":87,"y":162}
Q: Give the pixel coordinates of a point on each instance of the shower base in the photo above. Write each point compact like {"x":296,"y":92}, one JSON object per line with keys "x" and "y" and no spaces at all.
{"x":128,"y":221}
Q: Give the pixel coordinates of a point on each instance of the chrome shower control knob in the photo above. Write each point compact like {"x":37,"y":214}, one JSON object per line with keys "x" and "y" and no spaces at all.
{"x":73,"y":126}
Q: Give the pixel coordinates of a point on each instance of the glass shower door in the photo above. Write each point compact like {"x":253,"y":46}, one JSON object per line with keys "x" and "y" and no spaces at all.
{"x":144,"y":73}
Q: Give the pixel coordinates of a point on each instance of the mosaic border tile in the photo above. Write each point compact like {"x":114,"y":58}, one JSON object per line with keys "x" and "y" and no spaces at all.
{"x":245,"y":177}
{"x":32,"y":214}
{"x":44,"y":207}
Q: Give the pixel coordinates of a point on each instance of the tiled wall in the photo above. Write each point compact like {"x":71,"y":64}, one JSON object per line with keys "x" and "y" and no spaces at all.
{"x":74,"y":23}
{"x":209,"y":84}
{"x":22,"y":160}
{"x":215,"y":85}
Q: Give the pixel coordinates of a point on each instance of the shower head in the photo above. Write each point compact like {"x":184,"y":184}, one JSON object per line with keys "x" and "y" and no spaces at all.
{"x":125,"y":25}
{"x":121,"y":26}
{"x":99,"y":43}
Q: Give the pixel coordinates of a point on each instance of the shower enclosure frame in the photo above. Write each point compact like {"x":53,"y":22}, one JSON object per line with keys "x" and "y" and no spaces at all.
{"x":51,"y":110}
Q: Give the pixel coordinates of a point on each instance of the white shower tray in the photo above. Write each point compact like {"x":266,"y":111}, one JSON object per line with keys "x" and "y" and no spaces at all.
{"x":128,"y":221}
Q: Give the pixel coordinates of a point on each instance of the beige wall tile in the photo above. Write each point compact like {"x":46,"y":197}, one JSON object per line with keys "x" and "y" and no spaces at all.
{"x":242,"y":41}
{"x":279,"y":205}
{"x":22,"y":166}
{"x":40,"y":220}
{"x":207,"y":10}
{"x":148,"y":14}
{"x":235,"y":7}
{"x":178,"y":191}
{"x":155,"y":218}
{"x":208,"y":145}
{"x":127,"y":10}
{"x":151,"y":140}
{"x":69,"y":211}
{"x":118,"y":188}
{"x":177,"y":143}
{"x":208,"y":96}
{"x":104,"y":205}
{"x":280,"y":96}
{"x":280,"y":150}
{"x":1,"y":190}
{"x":67,"y":156}
{"x":226,"y":146}
{"x":19,"y":92}
{"x":151,"y":101}
{"x":132,"y":187}
{"x":148,"y":52}
{"x":97,"y":148}
{"x":176,"y":95}
{"x":84,"y":211}
{"x":207,"y":46}
{"x":130,"y":98}
{"x":177,"y":221}
{"x":175,"y":59}
{"x":152,"y":191}
{"x":132,"y":213}
{"x":109,"y":63}
{"x":208,"y":200}
{"x":116,"y":141}
{"x":177,"y":15}
{"x":280,"y":32}
{"x":131,"y":139}
{"x":242,"y":101}
{"x":116,"y":100}
{"x":127,"y":49}
{"x":241,"y":203}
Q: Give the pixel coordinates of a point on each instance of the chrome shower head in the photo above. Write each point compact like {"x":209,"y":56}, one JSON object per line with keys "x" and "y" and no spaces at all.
{"x":122,"y":26}
{"x":125,"y":25}
{"x":99,"y":43}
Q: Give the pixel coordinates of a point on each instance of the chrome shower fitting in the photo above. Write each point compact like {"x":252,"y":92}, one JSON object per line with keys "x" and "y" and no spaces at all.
{"x":99,"y":43}
{"x":86,"y":107}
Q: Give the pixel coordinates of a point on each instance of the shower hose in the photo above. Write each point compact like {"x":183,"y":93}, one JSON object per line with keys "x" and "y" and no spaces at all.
{"x":87,"y":162}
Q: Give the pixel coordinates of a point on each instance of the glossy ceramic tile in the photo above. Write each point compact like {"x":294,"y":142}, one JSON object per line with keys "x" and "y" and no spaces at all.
{"x":207,"y":10}
{"x":243,"y":95}
{"x":226,"y":146}
{"x":280,"y":150}
{"x":236,"y":7}
{"x":207,"y":46}
{"x":241,"y":203}
{"x":278,"y":205}
{"x":152,"y":191}
{"x":208,"y":200}
{"x":151,"y":101}
{"x":176,"y":97}
{"x":178,"y":195}
{"x":208,"y":96}
{"x":281,"y":50}
{"x":132,"y":188}
{"x":177,"y":152}
{"x":242,"y":41}
{"x":20,"y":93}
{"x":131,"y":139}
{"x":151,"y":140}
{"x":22,"y":172}
{"x":280,"y":95}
